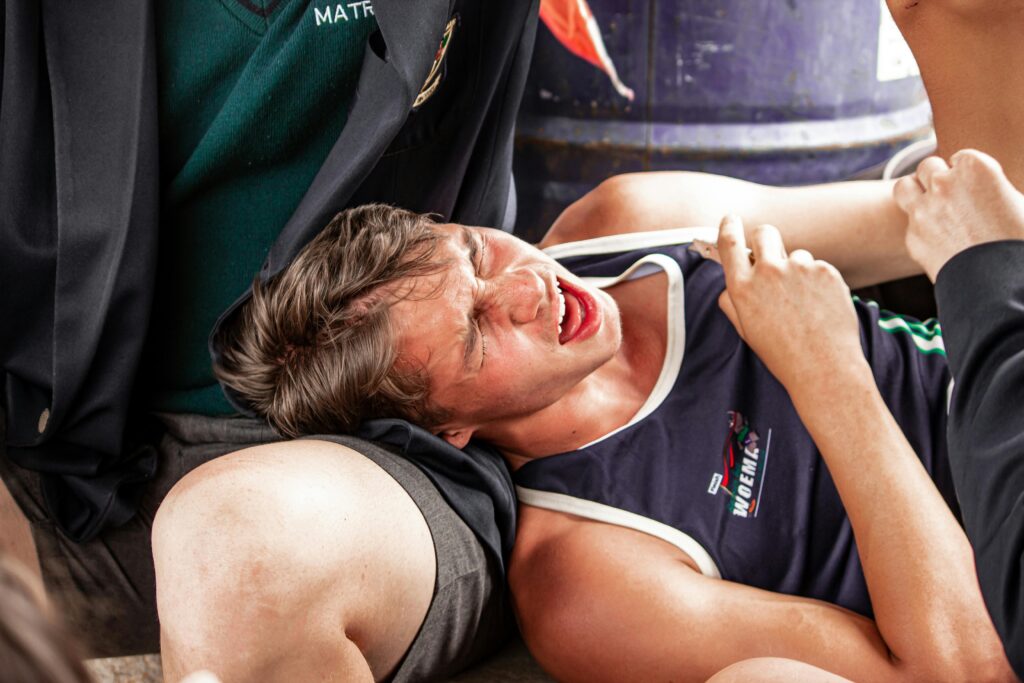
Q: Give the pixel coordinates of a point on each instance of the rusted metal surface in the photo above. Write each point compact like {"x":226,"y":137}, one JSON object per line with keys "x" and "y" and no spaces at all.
{"x":783,"y":93}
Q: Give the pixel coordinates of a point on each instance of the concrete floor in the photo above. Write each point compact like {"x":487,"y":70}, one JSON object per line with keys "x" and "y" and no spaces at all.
{"x":139,"y":669}
{"x":512,"y":665}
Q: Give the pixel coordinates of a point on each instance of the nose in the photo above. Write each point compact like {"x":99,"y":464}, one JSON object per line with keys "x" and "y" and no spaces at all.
{"x":520,"y":293}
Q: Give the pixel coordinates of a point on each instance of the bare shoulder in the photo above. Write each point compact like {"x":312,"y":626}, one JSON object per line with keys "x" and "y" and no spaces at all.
{"x":598,"y":213}
{"x":642,"y":202}
{"x":569,"y":579}
{"x":559,"y":554}
{"x":545,"y":538}
{"x":775,"y":670}
{"x":632,"y":203}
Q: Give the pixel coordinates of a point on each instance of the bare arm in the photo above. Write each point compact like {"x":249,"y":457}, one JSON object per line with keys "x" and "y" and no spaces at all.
{"x":854,"y":225}
{"x":967,"y":229}
{"x":604,"y":603}
{"x":917,"y":561}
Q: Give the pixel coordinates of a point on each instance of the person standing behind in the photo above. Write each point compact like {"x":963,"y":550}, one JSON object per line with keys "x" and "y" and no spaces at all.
{"x":156,"y":157}
{"x":966,"y":229}
{"x":966,"y":220}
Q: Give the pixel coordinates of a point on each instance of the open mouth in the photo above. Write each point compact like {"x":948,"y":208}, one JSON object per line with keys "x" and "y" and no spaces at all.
{"x":578,"y":316}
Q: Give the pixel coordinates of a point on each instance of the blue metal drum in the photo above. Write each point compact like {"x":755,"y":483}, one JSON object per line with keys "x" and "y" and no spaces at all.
{"x":783,"y":92}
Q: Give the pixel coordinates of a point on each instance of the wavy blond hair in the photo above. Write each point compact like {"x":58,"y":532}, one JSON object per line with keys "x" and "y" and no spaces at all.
{"x":313,"y":350}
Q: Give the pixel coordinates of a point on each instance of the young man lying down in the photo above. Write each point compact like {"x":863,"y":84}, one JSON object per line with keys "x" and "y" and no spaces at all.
{"x":678,"y":512}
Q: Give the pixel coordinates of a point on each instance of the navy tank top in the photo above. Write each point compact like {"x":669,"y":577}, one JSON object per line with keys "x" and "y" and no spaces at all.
{"x":717,"y":461}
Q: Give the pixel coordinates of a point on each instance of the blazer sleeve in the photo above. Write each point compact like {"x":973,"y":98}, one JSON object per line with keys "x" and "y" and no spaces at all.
{"x":980,"y":296}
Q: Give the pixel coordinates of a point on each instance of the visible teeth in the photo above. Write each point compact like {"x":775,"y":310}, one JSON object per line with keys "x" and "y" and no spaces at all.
{"x":561,"y":307}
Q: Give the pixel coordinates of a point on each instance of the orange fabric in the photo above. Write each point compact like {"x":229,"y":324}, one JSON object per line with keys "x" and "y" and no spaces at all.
{"x":567,"y":20}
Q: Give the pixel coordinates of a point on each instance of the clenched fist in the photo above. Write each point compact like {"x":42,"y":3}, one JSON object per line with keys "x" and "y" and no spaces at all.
{"x":953,"y":207}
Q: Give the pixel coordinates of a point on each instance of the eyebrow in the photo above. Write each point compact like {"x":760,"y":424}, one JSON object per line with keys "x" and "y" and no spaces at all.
{"x":470,"y":243}
{"x":472,"y":332}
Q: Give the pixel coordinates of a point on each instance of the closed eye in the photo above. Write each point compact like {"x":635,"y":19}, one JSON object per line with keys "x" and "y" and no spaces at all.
{"x":478,"y":254}
{"x":474,"y":334}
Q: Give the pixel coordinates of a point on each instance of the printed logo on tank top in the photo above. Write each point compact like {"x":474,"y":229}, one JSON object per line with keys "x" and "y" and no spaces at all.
{"x":744,"y":461}
{"x":343,"y":12}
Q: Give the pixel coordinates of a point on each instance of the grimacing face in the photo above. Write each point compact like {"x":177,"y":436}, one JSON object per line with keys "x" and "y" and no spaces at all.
{"x":502,"y":330}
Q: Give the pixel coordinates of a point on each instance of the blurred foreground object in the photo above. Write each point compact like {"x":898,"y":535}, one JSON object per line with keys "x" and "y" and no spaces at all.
{"x":782,"y":93}
{"x":573,"y":24}
{"x":34,"y":646}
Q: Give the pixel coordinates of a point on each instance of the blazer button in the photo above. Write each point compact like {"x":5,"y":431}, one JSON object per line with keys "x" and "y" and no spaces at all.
{"x":44,"y":417}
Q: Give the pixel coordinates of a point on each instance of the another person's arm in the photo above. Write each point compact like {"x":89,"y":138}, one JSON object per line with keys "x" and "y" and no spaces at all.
{"x":967,"y":228}
{"x":823,"y":219}
{"x":952,"y":207}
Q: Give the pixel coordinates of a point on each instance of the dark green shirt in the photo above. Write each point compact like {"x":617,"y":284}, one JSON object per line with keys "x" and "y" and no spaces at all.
{"x":253,"y":94}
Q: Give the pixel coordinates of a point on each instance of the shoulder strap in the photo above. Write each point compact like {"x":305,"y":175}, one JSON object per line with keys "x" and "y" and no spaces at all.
{"x":631,"y":241}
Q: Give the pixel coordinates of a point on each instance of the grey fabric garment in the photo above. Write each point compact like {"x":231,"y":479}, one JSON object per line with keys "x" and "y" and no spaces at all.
{"x":80,"y":141}
{"x":105,"y":588}
{"x":470,"y":615}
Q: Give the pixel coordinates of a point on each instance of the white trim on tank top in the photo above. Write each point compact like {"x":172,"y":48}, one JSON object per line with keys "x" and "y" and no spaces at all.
{"x":674,"y":351}
{"x":675,"y":301}
{"x":599,"y":512}
{"x":631,"y":241}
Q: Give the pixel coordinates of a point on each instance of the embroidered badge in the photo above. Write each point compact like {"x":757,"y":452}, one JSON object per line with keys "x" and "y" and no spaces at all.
{"x":436,"y":69}
{"x":744,"y":460}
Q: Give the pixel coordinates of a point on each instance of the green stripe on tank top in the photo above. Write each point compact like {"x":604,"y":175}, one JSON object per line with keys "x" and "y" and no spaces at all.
{"x":926,"y":334}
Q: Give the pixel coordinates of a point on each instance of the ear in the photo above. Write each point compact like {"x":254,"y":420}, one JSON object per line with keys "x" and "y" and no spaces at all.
{"x":457,"y":437}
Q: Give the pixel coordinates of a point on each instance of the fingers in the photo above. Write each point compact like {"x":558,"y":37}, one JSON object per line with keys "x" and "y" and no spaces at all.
{"x":767,"y":248}
{"x":968,"y":156}
{"x":732,"y":247}
{"x":934,"y":176}
{"x":808,"y":264}
{"x":906,"y":191}
{"x":928,"y":170}
{"x":972,"y":164}
{"x":910,"y":189}
{"x":767,"y":244}
{"x":802,"y":257}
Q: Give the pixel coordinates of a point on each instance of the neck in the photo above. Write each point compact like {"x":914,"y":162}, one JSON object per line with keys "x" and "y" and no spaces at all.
{"x":610,"y":396}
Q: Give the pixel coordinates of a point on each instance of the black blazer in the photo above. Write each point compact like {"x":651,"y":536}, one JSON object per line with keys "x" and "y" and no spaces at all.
{"x":79,"y":193}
